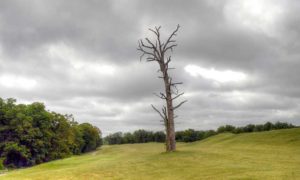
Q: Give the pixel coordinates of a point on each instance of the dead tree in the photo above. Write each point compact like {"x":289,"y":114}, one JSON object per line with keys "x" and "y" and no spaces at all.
{"x":158,"y":51}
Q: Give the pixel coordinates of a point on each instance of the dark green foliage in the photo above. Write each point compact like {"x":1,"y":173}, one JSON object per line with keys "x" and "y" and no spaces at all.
{"x":79,"y":142}
{"x":116,"y":138}
{"x":1,"y":164}
{"x":189,"y":135}
{"x":159,"y":136}
{"x":249,"y":128}
{"x":280,"y":125}
{"x":90,"y":136}
{"x":143,"y":136}
{"x":16,"y":155}
{"x":139,"y":136}
{"x":268,"y":126}
{"x":256,"y":128}
{"x":128,"y":138}
{"x":226,"y":128}
{"x":30,"y":135}
{"x":209,"y":133}
{"x":238,"y":130}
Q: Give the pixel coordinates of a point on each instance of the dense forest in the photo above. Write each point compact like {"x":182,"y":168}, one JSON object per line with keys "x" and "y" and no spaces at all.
{"x":29,"y":135}
{"x":189,"y":135}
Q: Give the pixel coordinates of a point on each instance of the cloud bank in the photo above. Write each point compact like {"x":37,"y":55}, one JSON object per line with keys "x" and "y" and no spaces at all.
{"x":238,"y":59}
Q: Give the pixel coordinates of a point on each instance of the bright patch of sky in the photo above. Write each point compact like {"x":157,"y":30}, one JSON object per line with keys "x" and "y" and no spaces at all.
{"x":77,"y":62}
{"x":215,"y":75}
{"x":257,"y":15}
{"x":13,"y":81}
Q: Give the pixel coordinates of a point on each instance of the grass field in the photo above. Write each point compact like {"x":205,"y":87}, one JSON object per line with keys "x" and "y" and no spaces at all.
{"x":265,"y":155}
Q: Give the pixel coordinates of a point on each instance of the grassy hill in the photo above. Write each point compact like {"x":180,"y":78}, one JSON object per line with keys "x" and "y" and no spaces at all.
{"x":264,"y":155}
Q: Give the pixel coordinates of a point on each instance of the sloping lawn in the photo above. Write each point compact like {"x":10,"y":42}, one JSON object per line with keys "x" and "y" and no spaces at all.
{"x":264,"y":155}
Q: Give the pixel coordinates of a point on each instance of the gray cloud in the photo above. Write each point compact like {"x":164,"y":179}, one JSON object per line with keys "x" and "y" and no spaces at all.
{"x":80,"y":57}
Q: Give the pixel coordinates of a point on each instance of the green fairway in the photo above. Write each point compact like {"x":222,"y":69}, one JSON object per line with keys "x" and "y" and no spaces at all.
{"x":264,"y":155}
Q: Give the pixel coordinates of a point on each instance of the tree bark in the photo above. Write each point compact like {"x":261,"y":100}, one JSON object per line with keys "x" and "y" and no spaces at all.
{"x":170,"y":134}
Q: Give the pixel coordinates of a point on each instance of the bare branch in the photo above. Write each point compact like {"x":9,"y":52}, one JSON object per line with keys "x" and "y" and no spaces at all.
{"x":154,"y":31}
{"x":174,"y":84}
{"x":145,"y":46}
{"x":160,"y":114}
{"x":170,"y":47}
{"x":180,"y":104}
{"x":157,"y":29}
{"x":168,"y":61}
{"x":154,"y":48}
{"x":149,"y":59}
{"x":177,"y":96}
{"x":162,"y":95}
{"x":159,"y":41}
{"x":141,"y":47}
{"x":170,"y":37}
{"x":176,"y":89}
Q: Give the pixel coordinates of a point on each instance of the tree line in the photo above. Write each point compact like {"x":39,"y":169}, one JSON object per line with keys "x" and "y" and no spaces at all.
{"x":29,"y":135}
{"x":139,"y":136}
{"x":189,"y":135}
{"x":255,"y":128}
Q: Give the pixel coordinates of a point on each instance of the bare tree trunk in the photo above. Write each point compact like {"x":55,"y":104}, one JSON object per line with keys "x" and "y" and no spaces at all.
{"x":156,"y":51}
{"x":170,"y":138}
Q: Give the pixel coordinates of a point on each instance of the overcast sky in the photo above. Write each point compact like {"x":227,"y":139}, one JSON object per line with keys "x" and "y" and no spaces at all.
{"x":239,"y":60}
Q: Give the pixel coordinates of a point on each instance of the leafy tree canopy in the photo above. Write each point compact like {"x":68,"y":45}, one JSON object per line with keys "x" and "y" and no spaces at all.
{"x":30,"y":135}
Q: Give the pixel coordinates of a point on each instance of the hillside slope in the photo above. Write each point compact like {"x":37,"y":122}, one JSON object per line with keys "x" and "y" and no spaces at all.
{"x":264,"y":155}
